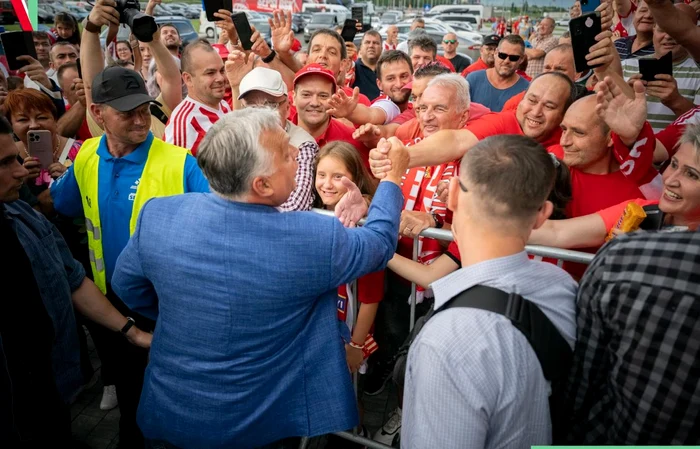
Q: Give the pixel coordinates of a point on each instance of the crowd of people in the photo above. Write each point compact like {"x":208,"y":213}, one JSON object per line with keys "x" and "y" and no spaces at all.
{"x":175,"y":223}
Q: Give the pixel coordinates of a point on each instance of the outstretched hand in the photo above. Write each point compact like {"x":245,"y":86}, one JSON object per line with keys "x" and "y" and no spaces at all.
{"x":352,"y":207}
{"x":340,"y":105}
{"x":282,"y":35}
{"x":238,"y":65}
{"x":625,"y":116}
{"x":379,"y":161}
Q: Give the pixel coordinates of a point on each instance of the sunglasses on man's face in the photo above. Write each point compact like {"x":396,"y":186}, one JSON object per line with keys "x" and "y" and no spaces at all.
{"x":511,"y":58}
{"x":449,"y":41}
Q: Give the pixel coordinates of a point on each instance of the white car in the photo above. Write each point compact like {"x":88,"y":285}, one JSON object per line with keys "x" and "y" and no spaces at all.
{"x":437,"y":26}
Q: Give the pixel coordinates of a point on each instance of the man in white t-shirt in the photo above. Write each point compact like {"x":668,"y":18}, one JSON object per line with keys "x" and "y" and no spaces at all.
{"x":203,"y":73}
{"x":669,"y":96}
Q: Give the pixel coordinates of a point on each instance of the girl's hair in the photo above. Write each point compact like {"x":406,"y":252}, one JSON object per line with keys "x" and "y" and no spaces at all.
{"x":349,"y":156}
{"x":65,"y":18}
{"x":561,"y":192}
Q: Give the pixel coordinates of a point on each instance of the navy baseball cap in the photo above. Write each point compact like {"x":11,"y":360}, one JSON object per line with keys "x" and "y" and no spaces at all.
{"x":492,"y":39}
{"x":120,"y":88}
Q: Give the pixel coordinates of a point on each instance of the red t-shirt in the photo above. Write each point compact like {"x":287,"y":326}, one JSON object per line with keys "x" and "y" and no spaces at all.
{"x":670,"y":136}
{"x":338,"y":131}
{"x":370,"y":289}
{"x":446,"y":62}
{"x":512,"y":104}
{"x":84,"y":130}
{"x":478,"y":65}
{"x":411,"y":129}
{"x":348,"y":91}
{"x":507,"y":123}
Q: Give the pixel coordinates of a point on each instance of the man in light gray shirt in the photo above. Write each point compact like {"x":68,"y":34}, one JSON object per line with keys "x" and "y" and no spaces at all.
{"x":473,"y":380}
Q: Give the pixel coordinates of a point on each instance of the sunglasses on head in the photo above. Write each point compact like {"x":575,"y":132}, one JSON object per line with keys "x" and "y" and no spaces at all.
{"x":449,"y":41}
{"x":511,"y":58}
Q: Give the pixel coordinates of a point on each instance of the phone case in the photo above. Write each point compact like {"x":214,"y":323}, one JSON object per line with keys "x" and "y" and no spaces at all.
{"x":649,"y":68}
{"x":589,"y":5}
{"x":349,"y":30}
{"x":240,"y":21}
{"x":18,"y":43}
{"x":583,"y":31}
{"x":357,"y":13}
{"x":212,"y":6}
{"x":40,"y":146}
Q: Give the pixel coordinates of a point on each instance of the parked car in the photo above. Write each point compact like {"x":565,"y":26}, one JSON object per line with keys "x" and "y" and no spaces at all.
{"x":183,"y":25}
{"x":163,"y":10}
{"x":389,"y":18}
{"x":318,"y":21}
{"x":299,"y":22}
{"x":78,"y":12}
{"x":44,"y":16}
{"x":461,"y":18}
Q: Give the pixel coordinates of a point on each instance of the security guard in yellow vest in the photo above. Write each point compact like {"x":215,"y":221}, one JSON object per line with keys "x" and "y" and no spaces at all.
{"x":111,"y":179}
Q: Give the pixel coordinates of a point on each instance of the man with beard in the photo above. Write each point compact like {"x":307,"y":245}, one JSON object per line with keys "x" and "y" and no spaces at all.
{"x":171,"y":38}
{"x":366,"y":64}
{"x":203,"y":73}
{"x":394,"y":71}
{"x":313,"y":87}
{"x":494,"y":86}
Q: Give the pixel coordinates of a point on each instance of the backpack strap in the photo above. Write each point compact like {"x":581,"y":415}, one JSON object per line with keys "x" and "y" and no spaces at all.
{"x":553,"y":352}
{"x":158,"y":113}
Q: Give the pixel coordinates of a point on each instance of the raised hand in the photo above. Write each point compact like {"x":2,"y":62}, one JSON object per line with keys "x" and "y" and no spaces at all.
{"x":369,"y":134}
{"x":606,"y":14}
{"x":414,"y":222}
{"x":238,"y":65}
{"x":33,"y":166}
{"x":352,"y":207}
{"x":624,"y":116}
{"x":104,"y":13}
{"x":602,"y":52}
{"x":399,"y":157}
{"x":259,"y":47}
{"x":340,"y":105}
{"x":35,"y":71}
{"x":281,"y":29}
{"x":226,"y":24}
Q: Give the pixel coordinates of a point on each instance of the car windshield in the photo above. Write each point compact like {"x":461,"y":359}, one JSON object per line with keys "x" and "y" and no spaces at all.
{"x":323,"y":19}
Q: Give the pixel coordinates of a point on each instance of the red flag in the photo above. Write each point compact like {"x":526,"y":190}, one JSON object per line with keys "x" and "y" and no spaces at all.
{"x":20,"y":7}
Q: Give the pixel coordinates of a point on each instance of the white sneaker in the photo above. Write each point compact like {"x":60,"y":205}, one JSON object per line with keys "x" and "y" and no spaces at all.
{"x":389,"y":433}
{"x":109,"y":398}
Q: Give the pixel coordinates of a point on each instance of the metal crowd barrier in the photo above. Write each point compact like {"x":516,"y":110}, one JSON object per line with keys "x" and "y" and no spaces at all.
{"x":444,"y":235}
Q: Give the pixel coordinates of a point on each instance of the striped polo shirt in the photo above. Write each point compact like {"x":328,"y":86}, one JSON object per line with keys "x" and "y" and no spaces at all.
{"x":687,"y":75}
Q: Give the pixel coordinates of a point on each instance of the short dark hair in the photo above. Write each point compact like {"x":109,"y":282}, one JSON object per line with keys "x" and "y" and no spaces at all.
{"x":5,"y":127}
{"x":65,"y":18}
{"x":43,"y":35}
{"x":418,"y":20}
{"x":513,"y":39}
{"x":374,"y":33}
{"x":390,"y":56}
{"x":186,"y":58}
{"x":64,"y":67}
{"x":334,"y":35}
{"x":513,"y":175}
{"x":424,"y":42}
{"x":572,"y":90}
{"x":171,"y":26}
{"x":431,"y":70}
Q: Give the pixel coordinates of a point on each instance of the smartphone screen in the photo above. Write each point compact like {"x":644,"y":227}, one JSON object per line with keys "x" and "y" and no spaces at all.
{"x":349,"y":30}
{"x":583,"y":31}
{"x":649,"y":68}
{"x":212,"y":6}
{"x":18,"y":43}
{"x":39,"y":145}
{"x":240,"y":21}
{"x":589,"y":5}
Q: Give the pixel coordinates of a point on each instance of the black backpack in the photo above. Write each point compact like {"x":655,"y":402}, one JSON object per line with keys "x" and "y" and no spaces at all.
{"x":553,"y":352}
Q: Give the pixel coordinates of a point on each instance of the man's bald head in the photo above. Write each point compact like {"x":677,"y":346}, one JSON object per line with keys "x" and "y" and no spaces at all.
{"x":561,"y":59}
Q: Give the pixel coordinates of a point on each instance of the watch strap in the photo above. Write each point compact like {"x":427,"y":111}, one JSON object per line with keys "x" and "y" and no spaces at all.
{"x":129,"y":323}
{"x":91,"y":27}
{"x":268,"y":59}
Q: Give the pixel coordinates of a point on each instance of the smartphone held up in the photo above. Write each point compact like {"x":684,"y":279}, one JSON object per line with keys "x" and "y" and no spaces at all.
{"x":583,"y":31}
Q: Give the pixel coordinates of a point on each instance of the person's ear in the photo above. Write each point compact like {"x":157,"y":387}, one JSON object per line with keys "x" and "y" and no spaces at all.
{"x":262,"y":187}
{"x":464,"y":119}
{"x":453,"y":194}
{"x":186,"y":78}
{"x":97,"y":111}
{"x":543,"y":214}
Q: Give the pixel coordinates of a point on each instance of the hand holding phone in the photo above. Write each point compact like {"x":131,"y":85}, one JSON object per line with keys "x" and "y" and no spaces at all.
{"x":583,"y":31}
{"x":240,"y":22}
{"x":349,"y":30}
{"x":649,"y":68}
{"x":40,"y":146}
{"x":213,"y":6}
{"x":16,"y":44}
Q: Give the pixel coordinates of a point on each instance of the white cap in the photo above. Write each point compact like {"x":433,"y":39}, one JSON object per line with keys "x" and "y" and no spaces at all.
{"x":265,"y":80}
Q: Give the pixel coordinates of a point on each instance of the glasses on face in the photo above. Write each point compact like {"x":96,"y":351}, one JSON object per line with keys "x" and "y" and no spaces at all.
{"x":511,"y":58}
{"x":449,"y":41}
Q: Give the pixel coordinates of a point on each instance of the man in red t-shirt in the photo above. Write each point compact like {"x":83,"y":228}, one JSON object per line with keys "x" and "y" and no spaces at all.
{"x":538,"y":116}
{"x":313,"y":87}
{"x":487,"y":54}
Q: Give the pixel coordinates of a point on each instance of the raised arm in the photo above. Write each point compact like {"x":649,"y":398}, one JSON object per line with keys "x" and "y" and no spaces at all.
{"x":423,"y":275}
{"x":171,"y":81}
{"x":580,"y":232}
{"x":342,"y":106}
{"x":283,"y":38}
{"x":677,"y":24}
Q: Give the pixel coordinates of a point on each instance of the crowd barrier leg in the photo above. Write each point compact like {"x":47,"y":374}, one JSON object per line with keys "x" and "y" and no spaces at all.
{"x":413,"y":287}
{"x":304,"y":442}
{"x":356,"y":308}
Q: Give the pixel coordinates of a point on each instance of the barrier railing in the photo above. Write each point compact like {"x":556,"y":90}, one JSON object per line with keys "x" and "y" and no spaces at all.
{"x":444,"y":235}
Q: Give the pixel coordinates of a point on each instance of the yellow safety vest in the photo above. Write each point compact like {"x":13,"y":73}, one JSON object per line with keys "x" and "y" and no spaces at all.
{"x":163,"y":175}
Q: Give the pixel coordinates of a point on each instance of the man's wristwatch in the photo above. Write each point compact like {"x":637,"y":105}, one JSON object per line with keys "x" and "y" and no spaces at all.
{"x":268,"y":59}
{"x":439,"y":222}
{"x":129,"y":323}
{"x":91,"y":27}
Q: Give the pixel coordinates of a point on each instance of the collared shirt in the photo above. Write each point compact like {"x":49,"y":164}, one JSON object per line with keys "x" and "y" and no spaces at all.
{"x":536,"y":66}
{"x":634,"y":376}
{"x":624,"y":48}
{"x":57,"y":275}
{"x":119,"y":178}
{"x":302,"y":196}
{"x":366,"y":80}
{"x":472,"y":379}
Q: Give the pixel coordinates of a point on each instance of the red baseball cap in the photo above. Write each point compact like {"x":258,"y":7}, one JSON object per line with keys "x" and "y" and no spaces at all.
{"x":222,"y":50}
{"x":296,"y":45}
{"x":315,"y":69}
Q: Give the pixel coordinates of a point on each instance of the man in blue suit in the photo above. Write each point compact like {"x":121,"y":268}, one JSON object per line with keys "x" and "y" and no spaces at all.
{"x":246,"y":350}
